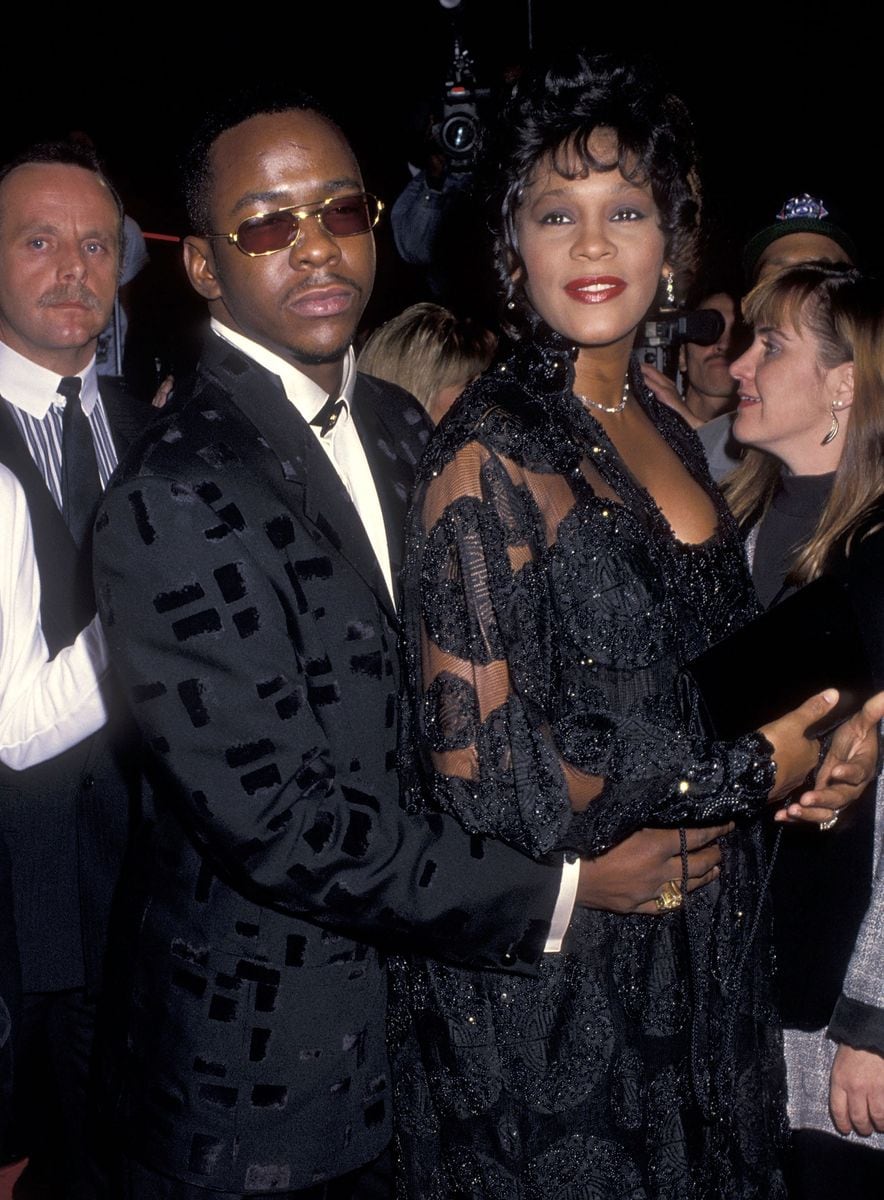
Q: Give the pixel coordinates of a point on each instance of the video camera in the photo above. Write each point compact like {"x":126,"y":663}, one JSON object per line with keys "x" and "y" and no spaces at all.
{"x":660,"y":339}
{"x":457,"y":134}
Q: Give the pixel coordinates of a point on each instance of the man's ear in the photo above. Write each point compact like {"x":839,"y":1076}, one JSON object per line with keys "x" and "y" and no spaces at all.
{"x":199,"y":263}
{"x":839,"y":383}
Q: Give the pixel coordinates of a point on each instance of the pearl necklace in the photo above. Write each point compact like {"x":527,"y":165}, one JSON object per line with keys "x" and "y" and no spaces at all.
{"x":607,"y":408}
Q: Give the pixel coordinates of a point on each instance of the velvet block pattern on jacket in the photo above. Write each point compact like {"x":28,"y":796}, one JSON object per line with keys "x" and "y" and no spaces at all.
{"x":257,"y":641}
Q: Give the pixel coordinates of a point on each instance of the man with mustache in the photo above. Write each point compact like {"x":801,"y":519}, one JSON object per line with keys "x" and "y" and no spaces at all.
{"x":707,"y":389}
{"x":65,"y":821}
{"x":710,"y":390}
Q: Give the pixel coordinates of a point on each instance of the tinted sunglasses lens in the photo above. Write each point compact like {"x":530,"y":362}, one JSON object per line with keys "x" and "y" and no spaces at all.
{"x":350,"y":215}
{"x":261,"y":235}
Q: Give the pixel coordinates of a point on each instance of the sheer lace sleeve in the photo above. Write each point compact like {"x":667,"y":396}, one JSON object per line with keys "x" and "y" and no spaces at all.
{"x":518,"y":576}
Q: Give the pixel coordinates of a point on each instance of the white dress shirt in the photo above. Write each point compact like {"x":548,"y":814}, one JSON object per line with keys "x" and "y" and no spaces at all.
{"x":346,"y":453}
{"x":31,"y":392}
{"x":45,"y":707}
{"x":341,"y":443}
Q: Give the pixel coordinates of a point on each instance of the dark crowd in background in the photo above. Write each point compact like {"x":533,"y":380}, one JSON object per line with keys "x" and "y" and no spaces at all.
{"x":752,"y":79}
{"x":781,"y":116}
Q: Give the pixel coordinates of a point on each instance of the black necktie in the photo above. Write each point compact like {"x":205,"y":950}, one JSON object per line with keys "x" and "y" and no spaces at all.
{"x":327,"y":416}
{"x":80,"y":483}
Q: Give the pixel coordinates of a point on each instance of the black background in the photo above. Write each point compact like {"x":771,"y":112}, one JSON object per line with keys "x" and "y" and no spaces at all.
{"x":783,"y":102}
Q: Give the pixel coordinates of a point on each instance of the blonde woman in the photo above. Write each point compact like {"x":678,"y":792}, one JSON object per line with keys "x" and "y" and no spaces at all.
{"x":811,"y":492}
{"x":431,"y":353}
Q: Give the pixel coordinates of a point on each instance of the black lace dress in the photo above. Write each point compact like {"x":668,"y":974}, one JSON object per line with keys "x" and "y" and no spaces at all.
{"x":547,"y":609}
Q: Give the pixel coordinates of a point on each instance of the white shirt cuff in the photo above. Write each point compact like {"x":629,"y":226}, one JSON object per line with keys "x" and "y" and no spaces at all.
{"x":561,"y":917}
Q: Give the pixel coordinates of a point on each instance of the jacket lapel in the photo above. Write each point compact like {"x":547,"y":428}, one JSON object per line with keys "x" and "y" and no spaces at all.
{"x":307,"y":480}
{"x":392,"y":475}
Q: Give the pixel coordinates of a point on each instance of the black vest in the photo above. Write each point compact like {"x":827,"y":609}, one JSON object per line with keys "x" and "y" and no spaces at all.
{"x":65,"y":821}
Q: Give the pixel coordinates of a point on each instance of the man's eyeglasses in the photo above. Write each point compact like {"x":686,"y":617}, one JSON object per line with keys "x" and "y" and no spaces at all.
{"x":340,"y":216}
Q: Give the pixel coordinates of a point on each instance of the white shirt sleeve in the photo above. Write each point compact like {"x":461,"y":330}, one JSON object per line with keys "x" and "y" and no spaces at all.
{"x":45,"y":707}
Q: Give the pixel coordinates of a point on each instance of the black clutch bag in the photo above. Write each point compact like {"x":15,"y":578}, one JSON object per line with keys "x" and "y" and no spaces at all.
{"x":809,"y":642}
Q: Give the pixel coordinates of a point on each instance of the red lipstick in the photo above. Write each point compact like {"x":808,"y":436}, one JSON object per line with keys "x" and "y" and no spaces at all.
{"x":595,"y":289}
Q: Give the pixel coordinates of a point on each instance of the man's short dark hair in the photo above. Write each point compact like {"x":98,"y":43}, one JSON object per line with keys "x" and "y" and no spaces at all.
{"x":66,"y":154}
{"x":196,"y":165}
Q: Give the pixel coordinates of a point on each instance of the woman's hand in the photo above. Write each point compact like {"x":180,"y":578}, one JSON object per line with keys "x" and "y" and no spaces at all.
{"x":846,"y":770}
{"x":667,"y":393}
{"x":629,"y":877}
{"x":795,"y":754}
{"x":856,"y":1091}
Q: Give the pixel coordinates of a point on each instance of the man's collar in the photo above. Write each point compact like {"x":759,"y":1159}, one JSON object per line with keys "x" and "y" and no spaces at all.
{"x":307,"y":397}
{"x":33,"y":388}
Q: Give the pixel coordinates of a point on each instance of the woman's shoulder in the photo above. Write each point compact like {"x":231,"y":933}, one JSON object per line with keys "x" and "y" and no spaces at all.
{"x":517,"y":409}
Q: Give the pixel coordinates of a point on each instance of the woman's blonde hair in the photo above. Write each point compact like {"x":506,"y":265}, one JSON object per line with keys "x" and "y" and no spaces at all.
{"x":427,"y":348}
{"x":844,"y":311}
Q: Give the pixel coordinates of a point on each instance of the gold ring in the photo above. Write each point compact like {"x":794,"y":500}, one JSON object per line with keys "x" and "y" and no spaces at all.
{"x":831,"y":823}
{"x":670,"y":896}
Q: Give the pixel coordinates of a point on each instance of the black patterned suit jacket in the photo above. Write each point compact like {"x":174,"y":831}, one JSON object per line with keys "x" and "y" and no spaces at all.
{"x":257,"y":643}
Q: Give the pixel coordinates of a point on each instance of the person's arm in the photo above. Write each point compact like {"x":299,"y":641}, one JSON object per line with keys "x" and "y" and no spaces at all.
{"x":415,"y":218}
{"x":856,"y":1091}
{"x":45,"y":707}
{"x":845,"y":772}
{"x":856,"y":1094}
{"x":667,"y":393}
{"x":209,"y":646}
{"x":497,"y":754}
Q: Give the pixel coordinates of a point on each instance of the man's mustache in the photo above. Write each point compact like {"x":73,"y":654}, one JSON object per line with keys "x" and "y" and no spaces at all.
{"x":76,"y":293}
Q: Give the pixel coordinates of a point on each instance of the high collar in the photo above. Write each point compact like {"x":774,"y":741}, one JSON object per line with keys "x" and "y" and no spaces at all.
{"x":34,"y":389}
{"x":802,"y":495}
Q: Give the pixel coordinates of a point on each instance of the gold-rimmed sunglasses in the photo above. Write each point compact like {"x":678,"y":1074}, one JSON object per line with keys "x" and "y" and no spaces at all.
{"x":340,"y":216}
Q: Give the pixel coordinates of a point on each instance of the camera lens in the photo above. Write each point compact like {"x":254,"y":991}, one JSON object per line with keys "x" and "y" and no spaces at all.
{"x":458,"y":134}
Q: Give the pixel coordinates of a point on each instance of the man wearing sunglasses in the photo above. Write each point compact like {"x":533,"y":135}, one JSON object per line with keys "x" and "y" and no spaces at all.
{"x":246,"y":565}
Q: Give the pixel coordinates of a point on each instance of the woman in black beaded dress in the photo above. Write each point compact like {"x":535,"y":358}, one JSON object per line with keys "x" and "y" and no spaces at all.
{"x":567,"y":554}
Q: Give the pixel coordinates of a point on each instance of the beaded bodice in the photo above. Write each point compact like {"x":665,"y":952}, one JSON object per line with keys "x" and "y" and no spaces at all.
{"x":548,"y":609}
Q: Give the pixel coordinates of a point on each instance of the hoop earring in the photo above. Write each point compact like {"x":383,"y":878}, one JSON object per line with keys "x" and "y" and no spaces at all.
{"x":833,"y":429}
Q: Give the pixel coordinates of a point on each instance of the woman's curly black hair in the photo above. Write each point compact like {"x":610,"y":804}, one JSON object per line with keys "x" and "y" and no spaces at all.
{"x":552,"y":113}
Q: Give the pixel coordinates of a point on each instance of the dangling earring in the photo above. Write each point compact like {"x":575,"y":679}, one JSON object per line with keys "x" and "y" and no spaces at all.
{"x":512,"y":294}
{"x":669,"y":280}
{"x":833,"y":429}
